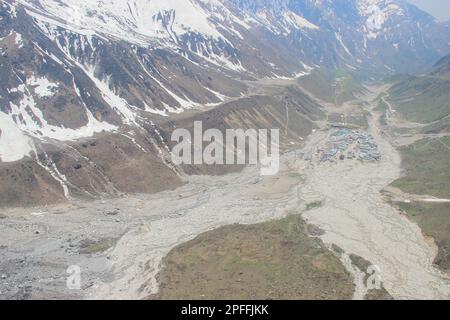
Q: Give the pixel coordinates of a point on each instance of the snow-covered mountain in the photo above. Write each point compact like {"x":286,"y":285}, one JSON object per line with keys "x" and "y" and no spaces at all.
{"x":215,"y":29}
{"x":72,"y":70}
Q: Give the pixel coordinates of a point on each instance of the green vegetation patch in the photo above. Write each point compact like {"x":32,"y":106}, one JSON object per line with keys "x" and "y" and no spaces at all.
{"x":441,"y":126}
{"x":427,"y":165}
{"x":89,"y":246}
{"x":337,"y":87}
{"x":422,"y":99}
{"x":273,"y":260}
{"x":382,"y":108}
{"x":346,"y":86}
{"x":434,"y":220}
{"x":313,"y":205}
{"x":319,"y":83}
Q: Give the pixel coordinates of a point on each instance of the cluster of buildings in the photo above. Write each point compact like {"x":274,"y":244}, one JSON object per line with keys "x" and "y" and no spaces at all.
{"x":348,"y":144}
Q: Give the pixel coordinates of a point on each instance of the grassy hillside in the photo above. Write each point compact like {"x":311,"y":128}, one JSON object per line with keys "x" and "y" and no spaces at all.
{"x":273,"y":260}
{"x":421,"y":99}
{"x":331,"y":86}
{"x":346,"y":87}
{"x":442,"y":68}
{"x":319,"y":84}
{"x":434,"y":220}
{"x":427,"y":166}
{"x":424,"y":98}
{"x":441,"y":126}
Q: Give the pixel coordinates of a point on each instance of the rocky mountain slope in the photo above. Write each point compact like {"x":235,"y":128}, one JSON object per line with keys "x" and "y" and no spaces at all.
{"x":91,"y":90}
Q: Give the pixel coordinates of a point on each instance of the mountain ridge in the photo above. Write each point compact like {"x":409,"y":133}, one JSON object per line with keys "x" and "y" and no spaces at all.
{"x":118,"y":69}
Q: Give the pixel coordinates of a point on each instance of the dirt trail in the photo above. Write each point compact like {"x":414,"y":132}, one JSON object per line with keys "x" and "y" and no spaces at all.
{"x":401,"y":196}
{"x":356,"y":218}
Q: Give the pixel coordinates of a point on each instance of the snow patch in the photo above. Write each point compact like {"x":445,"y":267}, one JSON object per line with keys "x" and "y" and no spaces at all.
{"x":131,"y":20}
{"x":133,"y":140}
{"x":219,"y":96}
{"x":377,"y":13}
{"x":341,"y":42}
{"x":14,"y":144}
{"x":30,"y":119}
{"x":117,"y":103}
{"x":298,"y":21}
{"x":19,"y":40}
{"x":50,"y":166}
{"x":42,"y":86}
{"x":297,"y":75}
{"x":185,"y":103}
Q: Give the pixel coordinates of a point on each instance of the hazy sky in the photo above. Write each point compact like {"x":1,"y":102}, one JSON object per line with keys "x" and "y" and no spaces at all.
{"x":438,"y":8}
